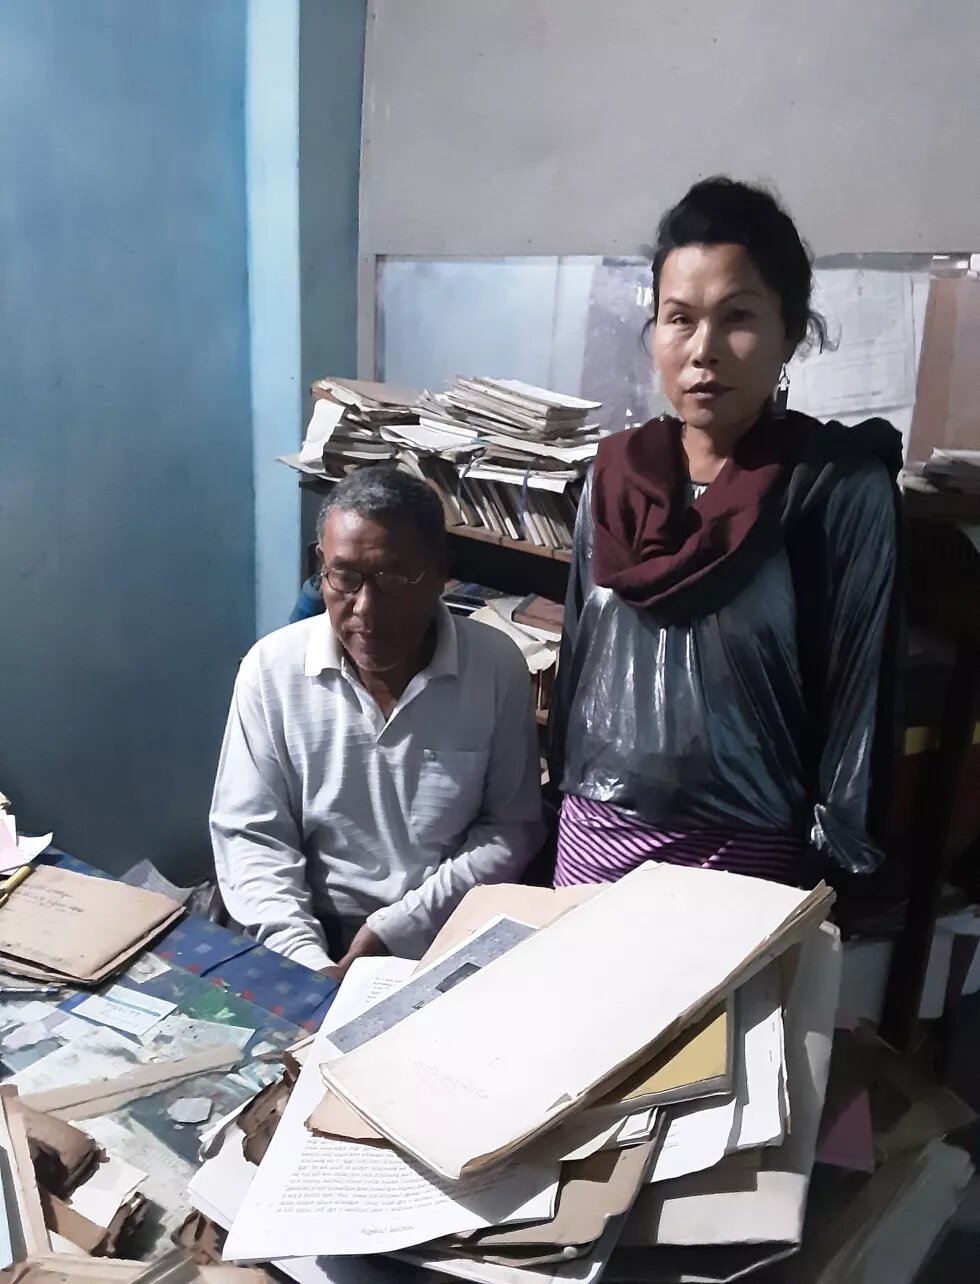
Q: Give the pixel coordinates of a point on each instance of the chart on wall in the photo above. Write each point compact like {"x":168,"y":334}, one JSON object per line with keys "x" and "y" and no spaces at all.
{"x":874,"y":322}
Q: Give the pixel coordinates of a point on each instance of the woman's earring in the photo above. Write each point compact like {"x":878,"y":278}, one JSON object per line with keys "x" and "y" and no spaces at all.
{"x":780,"y":398}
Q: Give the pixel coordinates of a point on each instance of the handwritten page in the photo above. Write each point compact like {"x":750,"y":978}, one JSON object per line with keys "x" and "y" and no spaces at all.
{"x":313,"y":1195}
{"x":126,"y":1009}
{"x":77,"y":924}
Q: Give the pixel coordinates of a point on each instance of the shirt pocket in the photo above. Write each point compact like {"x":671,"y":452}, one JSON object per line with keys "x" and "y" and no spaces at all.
{"x":449,"y":796}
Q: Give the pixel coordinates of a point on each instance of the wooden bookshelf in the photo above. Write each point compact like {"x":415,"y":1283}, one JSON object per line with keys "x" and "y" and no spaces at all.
{"x":518,"y":545}
{"x":479,"y":556}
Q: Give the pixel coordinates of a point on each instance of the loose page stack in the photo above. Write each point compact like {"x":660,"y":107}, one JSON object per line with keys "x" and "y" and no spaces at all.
{"x":504,"y":457}
{"x":557,"y":1022}
{"x":345,"y":430}
{"x":502,"y":1114}
{"x":521,"y":453}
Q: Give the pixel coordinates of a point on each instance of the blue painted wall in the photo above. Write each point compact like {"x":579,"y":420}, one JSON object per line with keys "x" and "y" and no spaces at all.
{"x":126,"y":497}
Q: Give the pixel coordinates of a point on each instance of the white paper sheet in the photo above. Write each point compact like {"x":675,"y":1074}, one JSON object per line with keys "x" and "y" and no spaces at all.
{"x":700,"y":1134}
{"x":218,"y":1190}
{"x":126,"y":1009}
{"x":312,"y":1194}
{"x":581,"y":1270}
{"x":31,"y":848}
{"x":870,"y":316}
{"x":18,"y":1012}
{"x":112,"y":1183}
{"x":696,"y":1138}
{"x":65,"y":1026}
{"x":362,"y":987}
{"x":537,"y":655}
{"x":8,"y":834}
{"x":15,"y":851}
{"x":578,"y":1139}
{"x":98,"y":1054}
{"x":178,"y":1035}
{"x":147,"y":968}
{"x":324,"y":420}
{"x":26,"y":1036}
{"x":167,"y":1175}
{"x":760,"y":1114}
{"x":636,"y":1128}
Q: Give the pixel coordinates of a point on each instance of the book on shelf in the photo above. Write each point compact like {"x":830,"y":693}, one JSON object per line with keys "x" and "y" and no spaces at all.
{"x":505,"y":457}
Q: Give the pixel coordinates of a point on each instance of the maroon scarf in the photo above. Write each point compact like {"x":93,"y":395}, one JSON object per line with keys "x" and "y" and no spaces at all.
{"x":650,"y":544}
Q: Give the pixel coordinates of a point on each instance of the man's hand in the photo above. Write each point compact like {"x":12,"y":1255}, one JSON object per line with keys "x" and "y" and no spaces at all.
{"x":364,"y":945}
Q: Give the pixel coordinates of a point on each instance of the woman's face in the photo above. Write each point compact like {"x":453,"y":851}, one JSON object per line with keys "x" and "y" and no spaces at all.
{"x":719,"y":341}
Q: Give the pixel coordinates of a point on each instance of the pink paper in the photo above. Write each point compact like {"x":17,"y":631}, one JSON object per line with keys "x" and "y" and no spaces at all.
{"x":848,"y":1142}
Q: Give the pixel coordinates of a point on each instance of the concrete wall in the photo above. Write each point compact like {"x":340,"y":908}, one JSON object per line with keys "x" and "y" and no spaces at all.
{"x":567,"y":126}
{"x":272,"y":123}
{"x":126,"y":505}
{"x":305,"y":71}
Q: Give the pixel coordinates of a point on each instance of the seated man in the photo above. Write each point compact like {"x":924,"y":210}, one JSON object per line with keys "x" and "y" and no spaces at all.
{"x":380,"y":759}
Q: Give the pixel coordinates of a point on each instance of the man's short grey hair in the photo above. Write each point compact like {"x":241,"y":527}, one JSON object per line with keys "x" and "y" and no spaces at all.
{"x":384,"y":491}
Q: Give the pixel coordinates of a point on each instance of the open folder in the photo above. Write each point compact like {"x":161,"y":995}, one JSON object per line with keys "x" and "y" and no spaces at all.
{"x":558,"y":1021}
{"x":78,"y":929}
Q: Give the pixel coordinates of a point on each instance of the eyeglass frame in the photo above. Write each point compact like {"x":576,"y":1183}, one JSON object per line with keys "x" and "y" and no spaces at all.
{"x":374,"y":576}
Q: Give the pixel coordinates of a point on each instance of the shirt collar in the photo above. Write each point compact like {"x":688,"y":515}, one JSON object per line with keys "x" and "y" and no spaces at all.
{"x":324,"y":652}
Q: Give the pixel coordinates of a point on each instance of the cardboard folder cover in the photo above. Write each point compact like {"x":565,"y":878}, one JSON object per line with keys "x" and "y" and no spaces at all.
{"x":535,"y":906}
{"x":592,"y":1191}
{"x":22,"y":1215}
{"x":758,"y":1212}
{"x":69,"y":1268}
{"x":563,"y":1017}
{"x":697,"y":1063}
{"x":77,"y":927}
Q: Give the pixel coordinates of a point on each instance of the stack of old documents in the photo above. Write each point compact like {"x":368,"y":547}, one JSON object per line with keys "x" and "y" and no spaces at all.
{"x":345,"y":430}
{"x":572,"y":1083}
{"x":505,"y":457}
{"x":63,"y":928}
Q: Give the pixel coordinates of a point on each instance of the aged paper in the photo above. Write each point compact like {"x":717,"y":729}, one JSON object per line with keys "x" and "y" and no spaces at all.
{"x":556,"y":1020}
{"x":126,"y":1009}
{"x":701,"y":1133}
{"x":312,"y":1195}
{"x":873,"y":365}
{"x":76,"y":924}
{"x":98,"y":1054}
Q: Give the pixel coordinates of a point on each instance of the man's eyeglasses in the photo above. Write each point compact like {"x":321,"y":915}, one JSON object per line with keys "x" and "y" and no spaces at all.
{"x":388,"y":583}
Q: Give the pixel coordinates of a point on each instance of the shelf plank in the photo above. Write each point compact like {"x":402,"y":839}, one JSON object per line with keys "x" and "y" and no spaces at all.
{"x":317,"y":482}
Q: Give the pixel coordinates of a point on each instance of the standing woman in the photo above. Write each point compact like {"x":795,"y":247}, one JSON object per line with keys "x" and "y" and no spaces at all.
{"x":725,"y":686}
